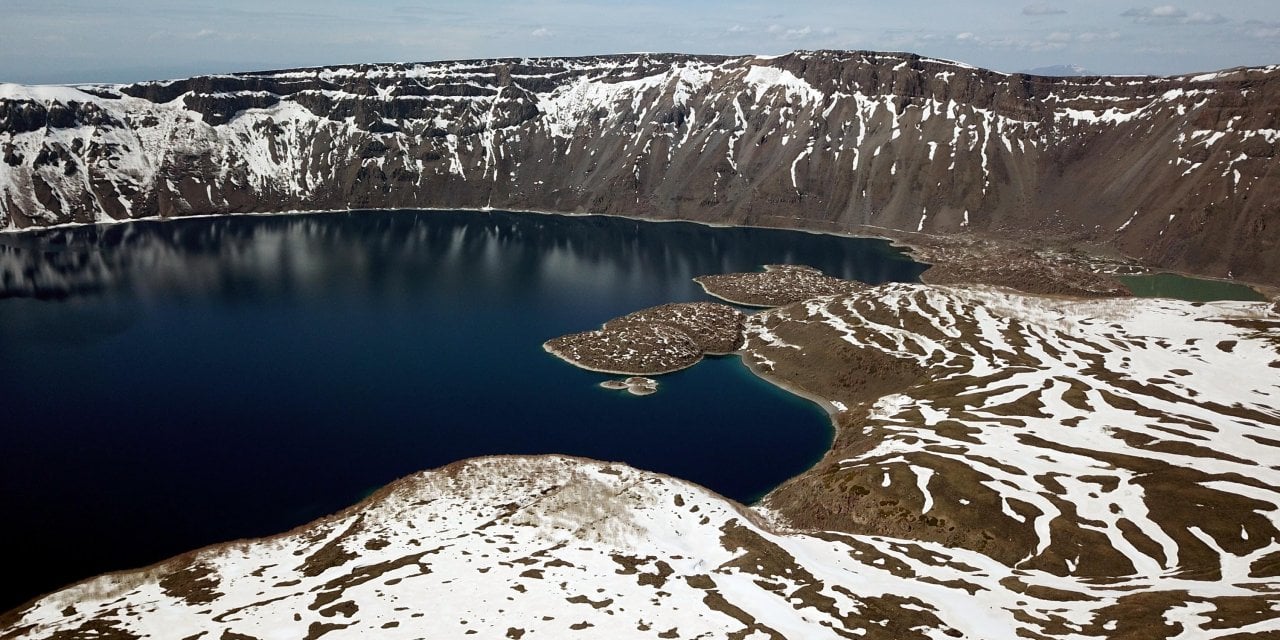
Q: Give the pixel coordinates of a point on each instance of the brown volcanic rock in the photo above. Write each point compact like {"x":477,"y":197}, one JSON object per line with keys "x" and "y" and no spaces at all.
{"x":634,"y":348}
{"x":715,"y":328}
{"x":776,"y":286}
{"x":1177,"y":171}
{"x":959,"y":260}
{"x":656,"y":340}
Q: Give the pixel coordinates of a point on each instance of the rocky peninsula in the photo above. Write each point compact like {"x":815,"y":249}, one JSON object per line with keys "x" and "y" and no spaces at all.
{"x":653,"y":341}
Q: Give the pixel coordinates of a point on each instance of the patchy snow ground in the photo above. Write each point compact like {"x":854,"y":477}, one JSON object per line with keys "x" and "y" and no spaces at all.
{"x":527,"y":547}
{"x":1132,"y":439}
{"x":559,"y":547}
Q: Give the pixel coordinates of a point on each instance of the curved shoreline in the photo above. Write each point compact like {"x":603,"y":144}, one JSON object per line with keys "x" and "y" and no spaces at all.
{"x":897,"y":239}
{"x":831,"y":409}
{"x":763,"y":515}
{"x":731,"y":300}
{"x":1116,"y":601}
{"x":615,"y":372}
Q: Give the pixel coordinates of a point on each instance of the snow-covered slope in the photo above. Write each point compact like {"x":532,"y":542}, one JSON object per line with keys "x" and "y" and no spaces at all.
{"x":1177,"y":170}
{"x":1046,"y":467}
{"x":560,"y":548}
{"x":1113,"y":438}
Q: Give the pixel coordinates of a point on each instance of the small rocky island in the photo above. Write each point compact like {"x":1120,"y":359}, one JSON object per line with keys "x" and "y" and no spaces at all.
{"x":657,"y":340}
{"x":776,"y":286}
{"x":635,"y":385}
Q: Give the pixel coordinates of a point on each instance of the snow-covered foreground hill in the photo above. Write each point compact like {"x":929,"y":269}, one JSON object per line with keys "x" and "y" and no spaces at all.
{"x":1119,"y":458}
{"x":560,"y":547}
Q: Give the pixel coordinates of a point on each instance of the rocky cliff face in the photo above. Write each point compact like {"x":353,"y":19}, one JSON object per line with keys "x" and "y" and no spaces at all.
{"x":1178,"y":171}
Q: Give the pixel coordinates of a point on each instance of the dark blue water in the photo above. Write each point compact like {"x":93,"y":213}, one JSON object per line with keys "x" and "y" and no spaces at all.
{"x":167,"y":385}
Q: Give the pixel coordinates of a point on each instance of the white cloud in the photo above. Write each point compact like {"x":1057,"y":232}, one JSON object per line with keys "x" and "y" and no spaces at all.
{"x":203,"y":34}
{"x":907,"y":40}
{"x":1052,"y":42}
{"x":1095,"y":36}
{"x":120,"y":38}
{"x":1161,"y":13}
{"x":1168,"y":14}
{"x":1260,"y":30}
{"x":1205,"y":18}
{"x":1067,"y":37}
{"x":1042,"y":9}
{"x":1162,"y":50}
{"x":796,"y":33}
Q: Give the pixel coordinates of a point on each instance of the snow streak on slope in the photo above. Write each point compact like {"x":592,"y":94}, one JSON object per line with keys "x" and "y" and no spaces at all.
{"x":824,"y":139}
{"x":561,"y":548}
{"x":1136,"y":440}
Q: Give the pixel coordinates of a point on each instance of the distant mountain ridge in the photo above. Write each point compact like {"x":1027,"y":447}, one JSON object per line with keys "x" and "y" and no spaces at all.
{"x":1178,"y":171}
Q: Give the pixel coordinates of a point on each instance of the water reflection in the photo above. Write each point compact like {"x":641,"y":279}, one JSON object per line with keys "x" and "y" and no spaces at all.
{"x":395,"y":251}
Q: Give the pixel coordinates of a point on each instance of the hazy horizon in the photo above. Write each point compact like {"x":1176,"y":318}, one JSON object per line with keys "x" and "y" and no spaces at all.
{"x":74,"y":41}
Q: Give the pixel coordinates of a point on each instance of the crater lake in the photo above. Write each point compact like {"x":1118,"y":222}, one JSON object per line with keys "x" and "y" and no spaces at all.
{"x":173,"y":384}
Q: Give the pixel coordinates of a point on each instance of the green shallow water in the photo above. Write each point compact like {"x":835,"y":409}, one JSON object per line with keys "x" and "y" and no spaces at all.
{"x":1172,"y":285}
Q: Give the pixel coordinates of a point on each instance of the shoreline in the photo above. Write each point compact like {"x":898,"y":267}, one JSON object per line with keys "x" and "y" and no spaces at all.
{"x":827,"y":405}
{"x":123,"y":580}
{"x":612,"y":372}
{"x":897,"y":239}
{"x":739,"y":303}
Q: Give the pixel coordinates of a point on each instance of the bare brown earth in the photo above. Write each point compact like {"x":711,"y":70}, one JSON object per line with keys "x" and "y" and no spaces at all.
{"x":635,"y":385}
{"x":714,"y":328}
{"x":776,"y":286}
{"x":830,"y":496}
{"x":852,"y":490}
{"x":833,"y":368}
{"x":792,"y":347}
{"x":967,"y":259}
{"x":657,"y":340}
{"x":640,"y":349}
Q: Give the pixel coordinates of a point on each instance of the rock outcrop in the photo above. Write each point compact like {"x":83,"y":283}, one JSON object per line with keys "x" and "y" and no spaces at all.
{"x":1177,"y":171}
{"x":656,"y":340}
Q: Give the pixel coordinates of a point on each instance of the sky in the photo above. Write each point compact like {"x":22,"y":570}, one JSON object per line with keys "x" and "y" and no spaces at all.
{"x":69,"y":41}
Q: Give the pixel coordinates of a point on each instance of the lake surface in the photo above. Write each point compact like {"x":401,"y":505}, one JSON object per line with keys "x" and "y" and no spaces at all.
{"x":168,"y":385}
{"x":1172,"y":285}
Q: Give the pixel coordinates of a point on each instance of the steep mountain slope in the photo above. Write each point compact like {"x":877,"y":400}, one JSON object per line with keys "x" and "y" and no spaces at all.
{"x":1178,"y":171}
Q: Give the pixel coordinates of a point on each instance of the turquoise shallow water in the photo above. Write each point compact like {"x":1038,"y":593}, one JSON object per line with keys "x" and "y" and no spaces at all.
{"x":169,"y":385}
